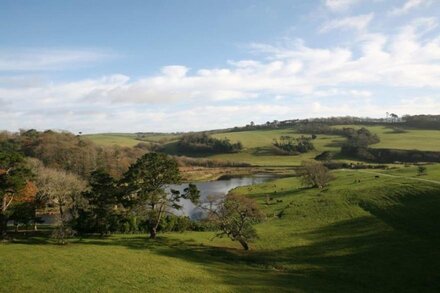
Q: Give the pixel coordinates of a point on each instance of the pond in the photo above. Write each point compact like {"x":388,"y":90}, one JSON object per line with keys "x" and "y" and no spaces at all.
{"x":217,"y":188}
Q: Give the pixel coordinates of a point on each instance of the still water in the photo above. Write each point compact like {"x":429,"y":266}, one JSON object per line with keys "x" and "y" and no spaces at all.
{"x":218,"y":188}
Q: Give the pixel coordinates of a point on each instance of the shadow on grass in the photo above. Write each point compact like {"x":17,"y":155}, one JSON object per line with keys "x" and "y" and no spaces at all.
{"x":380,"y":252}
{"x":358,"y":255}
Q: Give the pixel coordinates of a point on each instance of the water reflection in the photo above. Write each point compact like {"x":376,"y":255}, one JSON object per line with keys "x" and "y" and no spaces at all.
{"x":218,"y":188}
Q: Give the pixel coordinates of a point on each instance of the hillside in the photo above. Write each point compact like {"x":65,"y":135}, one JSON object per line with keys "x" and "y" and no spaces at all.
{"x":377,"y":235}
{"x":258,"y":149}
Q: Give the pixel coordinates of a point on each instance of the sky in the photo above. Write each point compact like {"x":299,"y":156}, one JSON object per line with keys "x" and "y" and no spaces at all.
{"x":172,"y":65}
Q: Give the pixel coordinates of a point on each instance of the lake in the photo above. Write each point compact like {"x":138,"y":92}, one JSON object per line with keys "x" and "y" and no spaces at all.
{"x":217,"y":188}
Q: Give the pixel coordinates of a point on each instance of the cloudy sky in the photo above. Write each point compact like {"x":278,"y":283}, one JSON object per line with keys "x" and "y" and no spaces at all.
{"x":100,"y":66}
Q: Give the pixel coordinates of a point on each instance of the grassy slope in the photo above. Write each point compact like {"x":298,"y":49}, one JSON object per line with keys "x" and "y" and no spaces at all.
{"x":424,"y":140}
{"x":377,"y":235}
{"x":108,"y":139}
{"x":258,"y":143}
{"x":258,"y":147}
{"x":127,"y":139}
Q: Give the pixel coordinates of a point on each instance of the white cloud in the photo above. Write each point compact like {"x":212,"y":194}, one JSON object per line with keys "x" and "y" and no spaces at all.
{"x":408,"y":6}
{"x":334,"y":92}
{"x":359,"y":22}
{"x":285,"y":81}
{"x":47,"y":59}
{"x":340,"y":5}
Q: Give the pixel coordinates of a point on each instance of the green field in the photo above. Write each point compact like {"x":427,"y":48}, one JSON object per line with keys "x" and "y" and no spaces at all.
{"x":108,"y":139}
{"x":258,"y":147}
{"x":412,"y":139}
{"x":258,"y":143}
{"x":376,"y":235}
{"x":127,"y":139}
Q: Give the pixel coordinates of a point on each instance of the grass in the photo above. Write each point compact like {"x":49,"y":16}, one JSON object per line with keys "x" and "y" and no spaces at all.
{"x":128,"y":139}
{"x":424,"y":140}
{"x":109,"y":139}
{"x":376,"y":235}
{"x":258,"y":147}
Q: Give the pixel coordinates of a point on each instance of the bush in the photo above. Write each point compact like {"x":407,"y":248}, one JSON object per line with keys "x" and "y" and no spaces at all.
{"x":291,"y":146}
{"x":325,"y":156}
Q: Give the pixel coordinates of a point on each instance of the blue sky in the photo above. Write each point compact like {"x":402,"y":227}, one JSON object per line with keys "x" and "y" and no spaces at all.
{"x":96,"y":66}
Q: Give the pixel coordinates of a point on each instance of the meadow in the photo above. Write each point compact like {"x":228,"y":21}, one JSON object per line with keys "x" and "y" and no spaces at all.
{"x":108,"y":139}
{"x":363,"y":233}
{"x":128,"y":139}
{"x":258,"y":149}
{"x":410,"y":139}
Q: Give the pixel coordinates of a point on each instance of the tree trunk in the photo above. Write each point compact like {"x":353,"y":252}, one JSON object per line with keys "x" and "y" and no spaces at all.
{"x":153,"y":232}
{"x":3,"y":226}
{"x":244,"y":244}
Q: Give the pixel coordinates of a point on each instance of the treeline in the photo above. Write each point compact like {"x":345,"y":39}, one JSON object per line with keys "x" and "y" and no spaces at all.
{"x":203,"y":143}
{"x":422,"y":121}
{"x":73,"y":153}
{"x":138,"y":201}
{"x":410,"y":121}
{"x":395,"y":155}
{"x":101,"y":204}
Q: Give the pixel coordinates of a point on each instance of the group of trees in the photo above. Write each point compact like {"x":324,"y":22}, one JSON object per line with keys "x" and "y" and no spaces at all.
{"x":289,"y":145}
{"x":101,"y":204}
{"x":15,"y":184}
{"x":203,"y":143}
{"x":422,"y":121}
{"x":73,"y":153}
{"x":358,"y":142}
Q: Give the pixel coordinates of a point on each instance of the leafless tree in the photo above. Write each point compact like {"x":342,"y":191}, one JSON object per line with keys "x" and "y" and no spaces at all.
{"x":63,"y":190}
{"x":314,"y":174}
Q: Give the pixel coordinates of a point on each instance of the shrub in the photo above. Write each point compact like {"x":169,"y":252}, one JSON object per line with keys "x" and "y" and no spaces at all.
{"x":290,"y":146}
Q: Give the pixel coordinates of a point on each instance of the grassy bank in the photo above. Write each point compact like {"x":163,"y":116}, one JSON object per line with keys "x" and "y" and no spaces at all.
{"x":362,"y":234}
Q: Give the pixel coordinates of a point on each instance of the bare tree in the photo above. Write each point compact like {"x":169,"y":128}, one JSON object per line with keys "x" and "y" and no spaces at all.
{"x":314,"y":174}
{"x":63,"y":190}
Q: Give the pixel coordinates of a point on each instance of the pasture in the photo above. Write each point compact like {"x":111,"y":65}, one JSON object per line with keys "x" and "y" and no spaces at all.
{"x":410,"y":139}
{"x":109,"y":139}
{"x":258,"y":149}
{"x":361,"y":234}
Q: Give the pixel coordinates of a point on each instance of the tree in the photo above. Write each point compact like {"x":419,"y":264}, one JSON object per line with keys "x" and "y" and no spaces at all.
{"x":63,"y":190}
{"x":394,"y":117}
{"x":421,"y":170}
{"x":14,"y":176}
{"x":235,"y":216}
{"x":22,"y":213}
{"x":314,"y":174}
{"x":103,"y":199}
{"x":145,"y":183}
